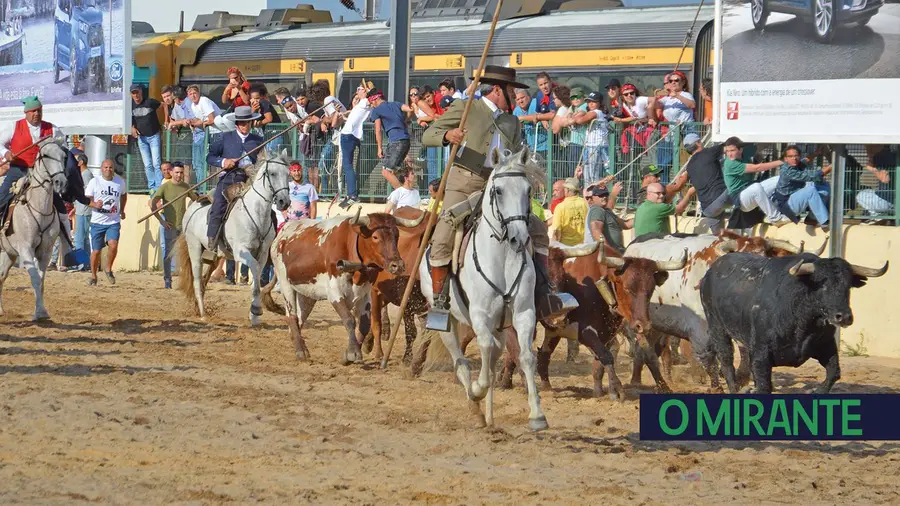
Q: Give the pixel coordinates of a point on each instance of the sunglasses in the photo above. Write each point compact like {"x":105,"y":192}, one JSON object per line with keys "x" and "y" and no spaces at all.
{"x":628,"y":94}
{"x":676,"y":80}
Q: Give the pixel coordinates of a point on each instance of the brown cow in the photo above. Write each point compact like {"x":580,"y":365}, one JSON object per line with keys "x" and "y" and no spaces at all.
{"x":337,"y":260}
{"x":388,"y":288}
{"x":632,"y":281}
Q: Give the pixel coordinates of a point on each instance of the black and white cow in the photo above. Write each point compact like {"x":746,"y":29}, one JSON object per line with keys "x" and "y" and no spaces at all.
{"x":784,"y":310}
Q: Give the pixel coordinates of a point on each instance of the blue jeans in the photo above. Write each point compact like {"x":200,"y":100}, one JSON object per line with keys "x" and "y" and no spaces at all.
{"x":167,"y":240}
{"x":812,"y":196}
{"x":82,"y":232}
{"x":349,"y":143}
{"x":198,"y":161}
{"x":14,"y":174}
{"x":150,"y":154}
{"x":327,"y":156}
{"x":229,"y":270}
{"x":433,"y":163}
{"x":596,"y":159}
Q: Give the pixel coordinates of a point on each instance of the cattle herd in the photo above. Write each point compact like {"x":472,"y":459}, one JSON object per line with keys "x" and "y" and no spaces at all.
{"x":780,"y":305}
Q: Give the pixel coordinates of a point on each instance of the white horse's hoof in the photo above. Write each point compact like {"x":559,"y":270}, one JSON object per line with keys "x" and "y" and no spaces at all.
{"x":40,"y":317}
{"x":352,"y":356}
{"x":538,"y":424}
{"x":478,"y":392}
{"x":254,"y":320}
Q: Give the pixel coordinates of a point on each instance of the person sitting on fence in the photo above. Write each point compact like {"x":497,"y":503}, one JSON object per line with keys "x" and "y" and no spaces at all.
{"x":740,"y":181}
{"x":405,"y":195}
{"x":800,"y":187}
{"x":390,"y":117}
{"x":883,"y":164}
{"x":351,"y":138}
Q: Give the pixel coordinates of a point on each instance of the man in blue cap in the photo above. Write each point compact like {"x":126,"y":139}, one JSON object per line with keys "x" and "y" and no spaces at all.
{"x":226,"y":153}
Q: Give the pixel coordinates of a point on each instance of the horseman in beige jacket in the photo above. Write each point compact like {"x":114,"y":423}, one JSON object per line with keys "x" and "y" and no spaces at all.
{"x":490,"y":125}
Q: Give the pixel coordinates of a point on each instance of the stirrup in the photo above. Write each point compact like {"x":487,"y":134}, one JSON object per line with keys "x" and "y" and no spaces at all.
{"x":438,"y":318}
{"x":553,"y":306}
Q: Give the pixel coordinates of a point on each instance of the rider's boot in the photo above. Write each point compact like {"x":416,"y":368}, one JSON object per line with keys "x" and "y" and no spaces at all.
{"x":211,"y":252}
{"x":438,"y":317}
{"x":549,"y":304}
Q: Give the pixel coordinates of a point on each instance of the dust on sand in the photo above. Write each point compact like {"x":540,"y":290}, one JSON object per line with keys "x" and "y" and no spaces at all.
{"x":127,"y":397}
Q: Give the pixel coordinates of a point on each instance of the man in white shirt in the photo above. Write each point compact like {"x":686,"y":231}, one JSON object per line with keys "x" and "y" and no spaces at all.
{"x":351,"y":136}
{"x":406,"y":195}
{"x":15,"y":138}
{"x":109,"y":196}
{"x":204,"y":113}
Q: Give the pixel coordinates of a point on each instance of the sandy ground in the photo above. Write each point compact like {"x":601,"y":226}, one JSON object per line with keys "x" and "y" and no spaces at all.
{"x":128,"y":398}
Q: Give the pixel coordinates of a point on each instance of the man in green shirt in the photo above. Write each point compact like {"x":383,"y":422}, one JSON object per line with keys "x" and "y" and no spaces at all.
{"x":172,"y":215}
{"x":601,"y":222}
{"x":740,"y":180}
{"x":653,"y":215}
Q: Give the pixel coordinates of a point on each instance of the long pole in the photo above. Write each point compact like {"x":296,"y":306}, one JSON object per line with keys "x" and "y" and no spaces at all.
{"x":432,"y":218}
{"x":254,"y":150}
{"x":33,"y":144}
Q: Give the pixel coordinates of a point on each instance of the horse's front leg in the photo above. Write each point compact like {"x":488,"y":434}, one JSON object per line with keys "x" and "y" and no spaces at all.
{"x":36,"y":265}
{"x":253,"y":264}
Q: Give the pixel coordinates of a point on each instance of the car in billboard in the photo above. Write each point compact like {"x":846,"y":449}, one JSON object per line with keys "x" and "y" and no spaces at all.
{"x":823,"y":16}
{"x":78,"y":45}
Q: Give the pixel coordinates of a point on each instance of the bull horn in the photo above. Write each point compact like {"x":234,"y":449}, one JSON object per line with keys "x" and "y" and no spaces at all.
{"x":408,"y":223}
{"x":583,"y":250}
{"x":614,"y":262}
{"x":785,"y":245}
{"x":346,"y":266}
{"x":802,"y":269}
{"x":673,"y":265}
{"x":869,"y":272}
{"x":727,"y":246}
{"x":360,"y":219}
{"x":822,"y":248}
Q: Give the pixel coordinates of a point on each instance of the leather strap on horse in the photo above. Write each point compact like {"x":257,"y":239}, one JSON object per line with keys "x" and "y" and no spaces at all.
{"x":439,"y":197}
{"x":33,"y":144}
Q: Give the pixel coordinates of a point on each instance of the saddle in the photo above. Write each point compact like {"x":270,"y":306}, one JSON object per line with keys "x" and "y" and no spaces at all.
{"x":462,"y":217}
{"x":231,"y":194}
{"x":18,"y":190}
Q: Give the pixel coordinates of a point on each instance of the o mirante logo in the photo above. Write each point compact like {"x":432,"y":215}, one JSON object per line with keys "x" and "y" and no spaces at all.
{"x":769,"y":417}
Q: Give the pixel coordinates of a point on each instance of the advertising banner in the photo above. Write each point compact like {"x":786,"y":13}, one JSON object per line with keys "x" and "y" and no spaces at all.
{"x":823,"y":71}
{"x":74,"y":55}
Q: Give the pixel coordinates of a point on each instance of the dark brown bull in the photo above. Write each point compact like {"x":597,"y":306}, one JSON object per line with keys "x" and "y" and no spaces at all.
{"x":388,"y":288}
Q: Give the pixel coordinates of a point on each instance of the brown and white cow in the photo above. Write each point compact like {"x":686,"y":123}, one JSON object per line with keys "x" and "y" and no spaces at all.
{"x":676,"y":309}
{"x":336,"y":260}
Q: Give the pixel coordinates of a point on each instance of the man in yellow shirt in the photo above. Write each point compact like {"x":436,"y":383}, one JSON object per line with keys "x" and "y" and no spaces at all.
{"x":570,"y":215}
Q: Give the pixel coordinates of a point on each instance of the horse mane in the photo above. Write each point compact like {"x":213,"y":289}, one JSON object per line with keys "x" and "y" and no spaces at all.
{"x":534,"y":172}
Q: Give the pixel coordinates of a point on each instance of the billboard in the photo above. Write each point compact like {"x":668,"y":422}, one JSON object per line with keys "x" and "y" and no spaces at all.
{"x":75,"y":55}
{"x":821,"y":71}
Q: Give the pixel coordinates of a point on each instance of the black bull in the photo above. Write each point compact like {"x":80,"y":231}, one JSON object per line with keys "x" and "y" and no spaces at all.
{"x":784,"y":310}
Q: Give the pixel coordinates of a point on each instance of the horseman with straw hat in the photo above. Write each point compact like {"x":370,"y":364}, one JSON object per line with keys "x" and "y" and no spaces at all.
{"x":491,"y":125}
{"x":226,"y":153}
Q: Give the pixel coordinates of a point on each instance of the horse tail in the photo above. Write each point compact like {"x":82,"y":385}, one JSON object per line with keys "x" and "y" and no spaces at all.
{"x":267,"y":299}
{"x":186,"y":272}
{"x":437,"y":357}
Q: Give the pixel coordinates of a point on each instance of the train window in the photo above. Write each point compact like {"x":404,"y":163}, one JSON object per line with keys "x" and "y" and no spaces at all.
{"x":349,"y":85}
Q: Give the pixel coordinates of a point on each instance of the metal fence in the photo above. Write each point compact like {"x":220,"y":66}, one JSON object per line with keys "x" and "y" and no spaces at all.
{"x":631,"y":151}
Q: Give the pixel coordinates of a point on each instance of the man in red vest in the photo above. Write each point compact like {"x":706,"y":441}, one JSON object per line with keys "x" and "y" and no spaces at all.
{"x":24,"y":133}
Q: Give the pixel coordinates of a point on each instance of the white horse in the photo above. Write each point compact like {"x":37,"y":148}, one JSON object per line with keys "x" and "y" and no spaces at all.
{"x":248,"y":230}
{"x":35,"y":223}
{"x":498,"y":279}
